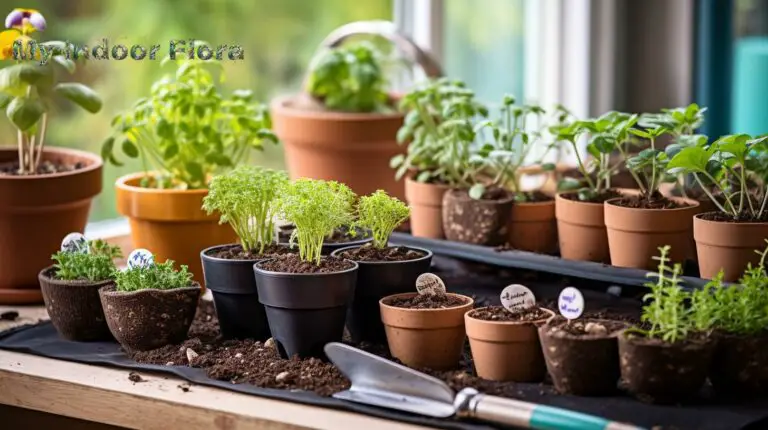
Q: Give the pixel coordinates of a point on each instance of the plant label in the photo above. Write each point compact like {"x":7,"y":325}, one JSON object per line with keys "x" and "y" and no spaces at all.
{"x":430,"y":284}
{"x":140,"y":258}
{"x":75,"y":243}
{"x":517,"y":297}
{"x":570,"y":303}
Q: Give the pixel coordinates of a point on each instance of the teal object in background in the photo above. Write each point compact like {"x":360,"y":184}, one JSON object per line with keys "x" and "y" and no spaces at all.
{"x":750,"y":86}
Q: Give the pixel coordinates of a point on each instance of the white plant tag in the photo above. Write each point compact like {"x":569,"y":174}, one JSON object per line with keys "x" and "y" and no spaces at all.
{"x":517,"y":297}
{"x":75,"y":243}
{"x":140,"y":258}
{"x":570,"y":303}
{"x":430,"y":284}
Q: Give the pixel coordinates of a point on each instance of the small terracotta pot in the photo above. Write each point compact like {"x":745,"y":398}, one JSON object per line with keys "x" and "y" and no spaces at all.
{"x":506,"y":350}
{"x":425,"y":338}
{"x":727,"y":246}
{"x":36,"y":212}
{"x":74,"y":307}
{"x":533,"y":227}
{"x":352,"y":148}
{"x":148,"y":319}
{"x":170,"y":223}
{"x":635,"y":235}
{"x":480,"y":222}
{"x":581,"y":230}
{"x":740,"y":366}
{"x":426,"y":202}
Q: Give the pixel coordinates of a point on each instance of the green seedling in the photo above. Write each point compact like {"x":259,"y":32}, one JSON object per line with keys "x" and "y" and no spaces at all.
{"x":649,"y":166}
{"x":381,"y":214}
{"x":161,"y":276}
{"x":94,"y":266}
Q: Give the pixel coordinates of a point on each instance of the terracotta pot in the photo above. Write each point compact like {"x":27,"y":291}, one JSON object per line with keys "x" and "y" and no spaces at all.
{"x":425,"y":338}
{"x":729,"y":246}
{"x":426,"y":202}
{"x":170,"y":223}
{"x":705,"y":205}
{"x":506,"y":350}
{"x":533,"y":227}
{"x":581,"y":230}
{"x":352,"y":148}
{"x":635,"y":235}
{"x":36,"y":212}
{"x":740,"y":366}
{"x":480,"y":222}
{"x":74,"y":307}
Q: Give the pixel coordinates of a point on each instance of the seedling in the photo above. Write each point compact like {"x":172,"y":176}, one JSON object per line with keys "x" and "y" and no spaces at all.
{"x":95,"y":265}
{"x":161,"y":276}
{"x":245,"y":198}
{"x":186,"y":130}
{"x":649,"y":167}
{"x":316,"y":208}
{"x":381,"y":214}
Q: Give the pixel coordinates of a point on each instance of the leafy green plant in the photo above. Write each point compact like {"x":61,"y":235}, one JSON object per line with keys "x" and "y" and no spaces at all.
{"x":381,"y":214}
{"x":316,"y":208}
{"x":649,"y":166}
{"x":160,"y":276}
{"x":245,"y":198}
{"x":350,"y":78}
{"x":94,"y":266}
{"x":30,"y":85}
{"x":187,"y":130}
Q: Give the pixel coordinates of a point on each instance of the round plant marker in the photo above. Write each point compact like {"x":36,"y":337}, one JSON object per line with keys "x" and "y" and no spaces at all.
{"x":75,"y":243}
{"x":140,"y":258}
{"x":570,"y":303}
{"x":517,"y":297}
{"x":430,"y":284}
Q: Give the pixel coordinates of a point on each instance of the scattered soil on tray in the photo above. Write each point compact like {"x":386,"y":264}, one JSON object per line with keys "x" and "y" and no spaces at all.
{"x":532,"y":197}
{"x":44,"y":168}
{"x":427,"y":301}
{"x":9,"y":316}
{"x":340,"y":235}
{"x":722,"y":217}
{"x":291,"y":263}
{"x":586,"y":327}
{"x":135,"y":377}
{"x":392,"y":253}
{"x":235,"y":252}
{"x":656,"y":201}
{"x":600,"y":198}
{"x":498,"y":313}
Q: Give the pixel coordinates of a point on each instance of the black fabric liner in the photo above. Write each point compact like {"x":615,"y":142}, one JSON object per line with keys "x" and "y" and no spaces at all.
{"x":484,"y":283}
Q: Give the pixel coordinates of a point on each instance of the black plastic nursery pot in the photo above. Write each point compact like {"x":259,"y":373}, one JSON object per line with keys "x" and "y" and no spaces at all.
{"x":362,"y":237}
{"x":376,"y":280}
{"x":305,"y":311}
{"x":740,"y":366}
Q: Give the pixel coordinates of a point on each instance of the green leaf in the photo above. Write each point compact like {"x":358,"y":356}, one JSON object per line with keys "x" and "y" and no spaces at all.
{"x":476,"y":191}
{"x":640,"y":133}
{"x":164,"y":129}
{"x":569,"y":184}
{"x":690,"y":160}
{"x":24,"y":113}
{"x":171,"y":150}
{"x":219,"y":159}
{"x":107,"y":148}
{"x":396,"y":161}
{"x":195,"y":170}
{"x":5,"y":99}
{"x":130,"y":149}
{"x":548,"y":167}
{"x":80,"y":95}
{"x":423,"y":176}
{"x":66,"y":63}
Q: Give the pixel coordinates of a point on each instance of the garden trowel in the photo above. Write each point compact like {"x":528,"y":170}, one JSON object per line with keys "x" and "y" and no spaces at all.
{"x":383,"y":383}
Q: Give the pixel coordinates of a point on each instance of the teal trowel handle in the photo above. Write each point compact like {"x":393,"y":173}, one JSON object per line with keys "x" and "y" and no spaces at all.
{"x":471,"y":404}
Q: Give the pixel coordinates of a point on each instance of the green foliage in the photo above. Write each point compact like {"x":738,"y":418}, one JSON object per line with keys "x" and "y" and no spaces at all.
{"x":186,"y":130}
{"x":161,"y":276}
{"x":316,"y":208}
{"x":350,"y":78}
{"x":649,"y":166}
{"x":95,"y":266}
{"x":245,"y":198}
{"x":381,"y":214}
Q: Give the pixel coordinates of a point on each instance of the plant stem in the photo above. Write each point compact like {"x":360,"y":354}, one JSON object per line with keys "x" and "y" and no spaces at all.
{"x":762,"y":206}
{"x":41,"y":143}
{"x":632,"y":172}
{"x":20,"y":138}
{"x":711,"y":197}
{"x":583,"y":169}
{"x":727,"y":197}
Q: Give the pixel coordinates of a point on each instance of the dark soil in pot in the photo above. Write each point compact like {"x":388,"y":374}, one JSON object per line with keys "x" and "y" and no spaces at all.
{"x":341,"y":238}
{"x":74,"y":307}
{"x":478,"y":221}
{"x":147,"y":319}
{"x":582,"y":356}
{"x":657,"y":201}
{"x":382,"y":272}
{"x":306,"y":303}
{"x":44,"y":168}
{"x":228,"y":272}
{"x":740,"y":365}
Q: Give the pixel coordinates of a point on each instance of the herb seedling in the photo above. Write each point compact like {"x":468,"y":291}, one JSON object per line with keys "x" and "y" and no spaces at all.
{"x":649,"y":166}
{"x":186,"y":130}
{"x":94,"y":266}
{"x":161,"y":276}
{"x":381,"y":214}
{"x":245,"y":198}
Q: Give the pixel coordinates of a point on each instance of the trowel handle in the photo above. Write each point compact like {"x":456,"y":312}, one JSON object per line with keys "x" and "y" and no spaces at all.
{"x":471,"y":404}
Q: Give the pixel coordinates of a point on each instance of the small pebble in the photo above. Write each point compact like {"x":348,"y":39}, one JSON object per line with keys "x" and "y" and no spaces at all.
{"x":282,"y":376}
{"x":170,"y":363}
{"x":191,"y":355}
{"x":270,"y":343}
{"x":238,"y":355}
{"x":595,"y":328}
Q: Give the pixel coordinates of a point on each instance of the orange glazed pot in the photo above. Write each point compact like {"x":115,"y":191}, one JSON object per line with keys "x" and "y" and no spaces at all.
{"x":426,"y":202}
{"x":581,"y":230}
{"x":36,"y":212}
{"x":533,"y":227}
{"x":729,"y":246}
{"x":352,"y":148}
{"x":170,"y":223}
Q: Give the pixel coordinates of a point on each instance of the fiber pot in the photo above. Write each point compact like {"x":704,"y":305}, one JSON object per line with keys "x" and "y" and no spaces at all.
{"x":583,"y":365}
{"x":305,"y":310}
{"x":635,"y":235}
{"x":148,"y":319}
{"x":506,"y":350}
{"x":480,"y":222}
{"x":170,"y":223}
{"x":352,"y":148}
{"x":729,"y":246}
{"x":661,"y":372}
{"x":425,"y":338}
{"x":533,"y":228}
{"x":740,"y":366}
{"x":581,"y":229}
{"x":37,"y":211}
{"x":74,"y":307}
{"x":426,"y":202}
{"x":375,"y":280}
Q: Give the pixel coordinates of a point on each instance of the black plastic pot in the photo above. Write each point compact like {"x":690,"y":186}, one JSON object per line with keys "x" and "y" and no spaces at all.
{"x":376,"y":280}
{"x":363,"y":237}
{"x":305,"y":310}
{"x":241,"y":315}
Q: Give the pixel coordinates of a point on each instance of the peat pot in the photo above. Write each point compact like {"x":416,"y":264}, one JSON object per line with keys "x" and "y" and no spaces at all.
{"x":480,"y":222}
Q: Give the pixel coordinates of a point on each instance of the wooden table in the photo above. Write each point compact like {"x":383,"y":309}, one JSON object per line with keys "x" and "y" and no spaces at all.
{"x":37,"y":392}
